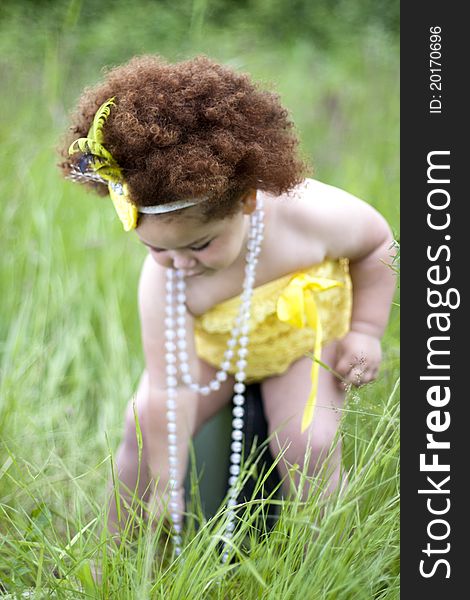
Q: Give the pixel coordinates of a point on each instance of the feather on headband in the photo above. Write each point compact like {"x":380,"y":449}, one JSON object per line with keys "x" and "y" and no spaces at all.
{"x":98,"y":165}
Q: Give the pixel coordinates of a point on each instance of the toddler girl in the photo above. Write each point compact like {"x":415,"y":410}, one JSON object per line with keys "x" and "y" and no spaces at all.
{"x":251,"y":267}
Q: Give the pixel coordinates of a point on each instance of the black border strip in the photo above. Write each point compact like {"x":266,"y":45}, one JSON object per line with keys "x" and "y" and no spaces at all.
{"x":438,"y":138}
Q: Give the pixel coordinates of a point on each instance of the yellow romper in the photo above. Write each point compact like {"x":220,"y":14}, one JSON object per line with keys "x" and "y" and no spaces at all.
{"x":273,"y":344}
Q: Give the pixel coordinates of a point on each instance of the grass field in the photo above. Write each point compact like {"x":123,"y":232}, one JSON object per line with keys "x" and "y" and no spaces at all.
{"x":70,"y":351}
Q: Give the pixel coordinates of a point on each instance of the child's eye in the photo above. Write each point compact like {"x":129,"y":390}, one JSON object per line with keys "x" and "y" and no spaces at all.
{"x":203,"y":247}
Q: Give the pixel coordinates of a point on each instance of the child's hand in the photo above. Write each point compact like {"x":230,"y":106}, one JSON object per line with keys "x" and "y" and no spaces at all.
{"x":358,"y":358}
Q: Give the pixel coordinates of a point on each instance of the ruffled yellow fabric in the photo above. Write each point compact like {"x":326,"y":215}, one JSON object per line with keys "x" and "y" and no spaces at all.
{"x":274,"y":345}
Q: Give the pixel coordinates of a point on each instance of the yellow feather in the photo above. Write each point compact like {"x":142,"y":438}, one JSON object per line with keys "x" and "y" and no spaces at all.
{"x":100,"y":118}
{"x":90,"y":146}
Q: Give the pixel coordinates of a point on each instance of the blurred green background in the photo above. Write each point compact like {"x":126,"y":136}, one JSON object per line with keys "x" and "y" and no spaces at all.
{"x":70,"y":352}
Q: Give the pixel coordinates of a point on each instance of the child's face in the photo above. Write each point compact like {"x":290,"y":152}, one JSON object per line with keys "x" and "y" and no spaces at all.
{"x":193,"y":246}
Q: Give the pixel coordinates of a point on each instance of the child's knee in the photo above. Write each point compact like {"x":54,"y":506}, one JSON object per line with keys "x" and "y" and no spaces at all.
{"x":324,"y":442}
{"x":298,"y":449}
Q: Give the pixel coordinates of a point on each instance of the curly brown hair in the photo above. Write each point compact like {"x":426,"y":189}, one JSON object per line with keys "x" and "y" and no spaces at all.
{"x":190,"y":129}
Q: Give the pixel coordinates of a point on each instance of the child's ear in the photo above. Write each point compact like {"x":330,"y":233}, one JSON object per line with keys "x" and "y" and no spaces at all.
{"x":249,"y":202}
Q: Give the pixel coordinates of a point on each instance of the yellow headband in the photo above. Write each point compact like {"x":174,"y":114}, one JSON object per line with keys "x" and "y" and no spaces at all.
{"x":97,"y":164}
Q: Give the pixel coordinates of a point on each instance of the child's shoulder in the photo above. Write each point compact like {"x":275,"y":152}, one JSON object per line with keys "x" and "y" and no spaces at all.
{"x":313,"y":208}
{"x":313,"y":199}
{"x":325,"y":219}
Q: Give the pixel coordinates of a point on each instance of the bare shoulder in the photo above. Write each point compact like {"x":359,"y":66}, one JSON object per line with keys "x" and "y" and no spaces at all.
{"x":337,"y":221}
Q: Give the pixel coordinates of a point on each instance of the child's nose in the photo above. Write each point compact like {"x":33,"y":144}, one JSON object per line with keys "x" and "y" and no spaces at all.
{"x":183,"y":261}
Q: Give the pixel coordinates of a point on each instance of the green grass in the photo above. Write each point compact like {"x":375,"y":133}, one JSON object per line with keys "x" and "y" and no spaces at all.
{"x":70,"y":352}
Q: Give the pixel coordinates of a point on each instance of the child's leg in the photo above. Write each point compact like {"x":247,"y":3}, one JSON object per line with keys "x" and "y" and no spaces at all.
{"x":130,"y":474}
{"x":284,"y":400}
{"x":153,"y":423}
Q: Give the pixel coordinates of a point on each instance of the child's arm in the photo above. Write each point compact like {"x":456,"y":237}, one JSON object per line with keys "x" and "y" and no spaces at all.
{"x":152,"y":292}
{"x":351,"y":228}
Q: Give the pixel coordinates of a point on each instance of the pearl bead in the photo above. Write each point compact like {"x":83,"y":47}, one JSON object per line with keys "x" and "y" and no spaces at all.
{"x":169,"y":334}
{"x":214,"y":385}
{"x":238,"y":411}
{"x":194,"y":387}
{"x":235,"y":458}
{"x":237,"y":435}
{"x":205,"y":391}
{"x":183,"y":356}
{"x":237,"y":423}
{"x":170,"y":404}
{"x":170,"y":357}
{"x":170,"y":346}
{"x":181,"y":344}
{"x":242,"y":352}
{"x":171,"y":416}
{"x":241,"y":364}
{"x":243,"y":341}
{"x":238,"y":400}
{"x":225,"y":365}
{"x":245,"y":329}
{"x":181,"y":321}
{"x":232,"y":502}
{"x":171,"y":427}
{"x":178,"y":528}
{"x":171,"y":382}
{"x":181,"y":333}
{"x":172,"y":439}
{"x":221,"y":376}
{"x":181,"y":298}
{"x":228,"y":354}
{"x":172,"y":450}
{"x":186,"y":378}
{"x":240,"y":376}
{"x":184,"y":368}
{"x":236,"y":446}
{"x":232,"y":480}
{"x":239,"y":388}
{"x":173,"y":460}
{"x":169,"y":322}
{"x":181,"y":310}
{"x":230,"y":527}
{"x":234,"y":469}
{"x":171,"y":370}
{"x":232,"y":343}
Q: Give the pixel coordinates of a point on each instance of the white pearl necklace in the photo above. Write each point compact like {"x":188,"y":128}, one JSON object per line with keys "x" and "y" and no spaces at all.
{"x":177,"y":360}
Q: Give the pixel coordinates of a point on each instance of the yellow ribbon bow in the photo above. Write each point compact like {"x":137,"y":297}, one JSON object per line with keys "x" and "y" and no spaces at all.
{"x":296,"y":305}
{"x":97,"y":161}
